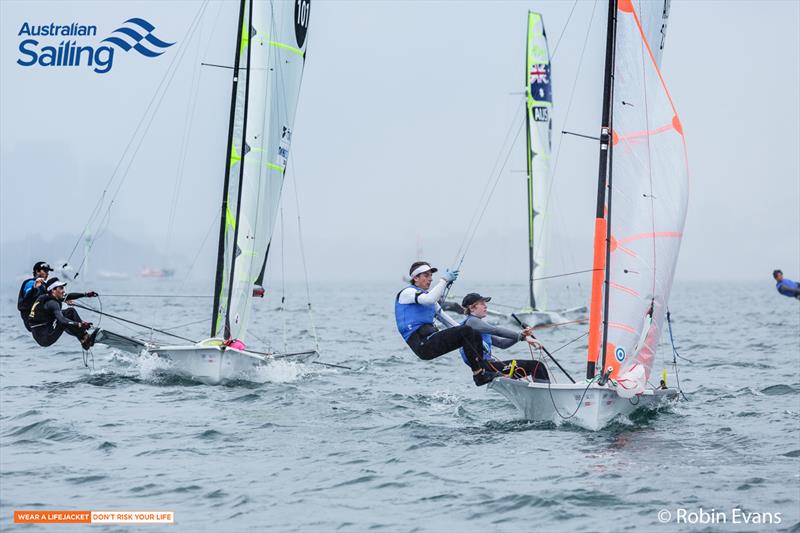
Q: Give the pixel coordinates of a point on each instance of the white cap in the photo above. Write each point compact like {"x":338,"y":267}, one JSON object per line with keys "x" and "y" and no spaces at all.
{"x":56,"y":285}
{"x":421,"y":269}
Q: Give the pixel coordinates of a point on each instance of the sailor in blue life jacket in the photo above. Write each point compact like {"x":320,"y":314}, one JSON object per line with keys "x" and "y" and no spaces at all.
{"x":31,"y":289}
{"x":48,"y":321}
{"x":415,"y":309}
{"x":496,"y":337}
{"x":786,"y":286}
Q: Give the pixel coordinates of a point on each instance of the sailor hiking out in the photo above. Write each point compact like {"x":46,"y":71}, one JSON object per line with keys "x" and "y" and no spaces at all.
{"x":31,"y":289}
{"x":48,"y":321}
{"x":786,"y":286}
{"x":415,"y":309}
{"x":494,"y":336}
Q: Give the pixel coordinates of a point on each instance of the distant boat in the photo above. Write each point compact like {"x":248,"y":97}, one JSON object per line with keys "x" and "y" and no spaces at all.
{"x":538,"y":121}
{"x":157,"y":272}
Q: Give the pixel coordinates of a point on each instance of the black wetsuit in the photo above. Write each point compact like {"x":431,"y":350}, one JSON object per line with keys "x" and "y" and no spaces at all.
{"x":25,"y":299}
{"x":48,"y":321}
{"x":429,"y":343}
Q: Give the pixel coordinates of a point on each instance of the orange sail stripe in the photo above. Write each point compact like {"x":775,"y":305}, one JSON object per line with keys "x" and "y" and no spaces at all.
{"x":624,"y":289}
{"x":651,"y":235}
{"x":623,"y":327}
{"x":649,"y":133}
{"x":599,"y":265}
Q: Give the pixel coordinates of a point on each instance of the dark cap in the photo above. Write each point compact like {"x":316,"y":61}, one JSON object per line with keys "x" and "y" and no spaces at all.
{"x":472,"y":298}
{"x":41,"y":265}
{"x":54,"y":283}
{"x":776,"y":272}
{"x":420,"y":267}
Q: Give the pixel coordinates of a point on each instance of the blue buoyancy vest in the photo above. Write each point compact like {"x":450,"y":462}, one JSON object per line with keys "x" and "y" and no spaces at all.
{"x":410,"y":317}
{"x":487,"y":345}
{"x":787,"y":287}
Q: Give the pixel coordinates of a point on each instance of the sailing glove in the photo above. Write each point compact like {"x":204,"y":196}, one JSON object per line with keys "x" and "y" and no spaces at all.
{"x":91,"y":294}
{"x":450,"y":276}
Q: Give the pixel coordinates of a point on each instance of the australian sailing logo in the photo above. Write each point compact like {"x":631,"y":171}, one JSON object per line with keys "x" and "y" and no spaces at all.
{"x":134,"y":34}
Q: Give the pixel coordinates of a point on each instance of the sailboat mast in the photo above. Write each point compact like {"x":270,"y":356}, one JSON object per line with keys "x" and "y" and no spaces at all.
{"x":234,"y":253}
{"x":602,"y":224}
{"x":528,"y":157}
{"x":224,"y":210}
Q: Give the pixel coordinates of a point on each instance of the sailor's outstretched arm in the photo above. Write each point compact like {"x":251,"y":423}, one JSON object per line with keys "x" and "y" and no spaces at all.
{"x":482,"y":326}
{"x":410,"y":295}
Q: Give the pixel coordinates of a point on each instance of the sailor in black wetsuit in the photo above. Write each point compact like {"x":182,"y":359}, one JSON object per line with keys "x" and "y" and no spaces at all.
{"x":48,"y":321}
{"x":493,"y":336}
{"x":416,"y":308}
{"x":31,"y":289}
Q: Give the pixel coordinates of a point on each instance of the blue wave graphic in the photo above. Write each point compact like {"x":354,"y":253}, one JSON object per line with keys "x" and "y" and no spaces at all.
{"x":139,"y":38}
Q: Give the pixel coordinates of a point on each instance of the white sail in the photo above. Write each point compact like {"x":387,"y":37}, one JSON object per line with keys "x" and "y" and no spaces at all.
{"x":274,"y":48}
{"x":649,"y":193}
{"x":539,"y":110}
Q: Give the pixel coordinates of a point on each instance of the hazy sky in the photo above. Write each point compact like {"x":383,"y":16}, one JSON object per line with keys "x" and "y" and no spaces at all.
{"x":403,"y":112}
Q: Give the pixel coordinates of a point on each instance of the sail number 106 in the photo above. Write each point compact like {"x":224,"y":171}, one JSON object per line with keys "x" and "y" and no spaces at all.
{"x":302,"y":9}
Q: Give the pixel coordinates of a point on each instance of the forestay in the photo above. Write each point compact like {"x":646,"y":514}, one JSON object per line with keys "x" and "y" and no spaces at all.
{"x":649,"y":193}
{"x":271,"y":54}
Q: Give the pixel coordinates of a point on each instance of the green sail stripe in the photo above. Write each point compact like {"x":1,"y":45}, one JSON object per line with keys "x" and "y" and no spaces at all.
{"x":235,"y":157}
{"x":287,"y":47}
{"x":245,"y":36}
{"x":273,"y":166}
{"x":230,"y":220}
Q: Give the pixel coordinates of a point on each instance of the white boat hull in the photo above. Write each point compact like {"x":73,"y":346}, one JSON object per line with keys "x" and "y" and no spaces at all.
{"x":592,"y":408}
{"x":209,"y":365}
{"x":208,"y":361}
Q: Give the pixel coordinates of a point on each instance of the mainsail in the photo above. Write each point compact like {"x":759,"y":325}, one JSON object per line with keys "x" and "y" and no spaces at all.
{"x":647,"y":199}
{"x":268,"y":69}
{"x":538,"y":119}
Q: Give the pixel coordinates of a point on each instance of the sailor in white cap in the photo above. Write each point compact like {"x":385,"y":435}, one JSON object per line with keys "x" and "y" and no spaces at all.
{"x":415,"y":309}
{"x":48,"y":321}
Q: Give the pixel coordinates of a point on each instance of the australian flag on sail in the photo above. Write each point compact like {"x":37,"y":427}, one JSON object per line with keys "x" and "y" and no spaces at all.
{"x":540,"y":82}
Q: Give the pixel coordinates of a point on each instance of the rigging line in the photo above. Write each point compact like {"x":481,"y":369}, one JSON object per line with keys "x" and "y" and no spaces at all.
{"x":643,"y":48}
{"x":515,"y":118}
{"x":151,"y":328}
{"x":592,"y":137}
{"x":185,"y":276}
{"x":184,"y":149}
{"x":570,"y":342}
{"x":187,"y":324}
{"x":164,"y":295}
{"x":554,"y":174}
{"x":567,"y":274}
{"x":175,"y":59}
{"x":566,"y":25}
{"x":303,"y":257}
{"x":295,"y":182}
{"x":488,"y":199}
{"x":674,"y":353}
{"x":104,"y":222}
{"x":282,"y":308}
